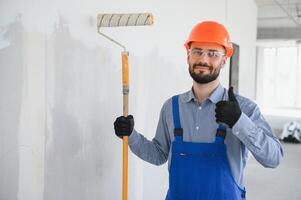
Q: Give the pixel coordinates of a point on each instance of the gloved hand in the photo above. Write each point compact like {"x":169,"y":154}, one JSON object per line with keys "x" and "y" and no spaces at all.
{"x":228,"y":112}
{"x":124,"y":126}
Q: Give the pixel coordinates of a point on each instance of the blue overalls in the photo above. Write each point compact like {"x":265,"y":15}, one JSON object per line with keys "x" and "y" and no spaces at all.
{"x":200,"y":171}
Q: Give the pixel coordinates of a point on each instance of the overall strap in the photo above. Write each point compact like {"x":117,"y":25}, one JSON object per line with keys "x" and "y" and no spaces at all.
{"x":221,"y":131}
{"x":178,"y":131}
{"x":220,"y":134}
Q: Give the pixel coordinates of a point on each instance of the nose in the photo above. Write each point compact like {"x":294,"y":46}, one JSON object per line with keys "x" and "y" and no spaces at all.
{"x":204,"y":58}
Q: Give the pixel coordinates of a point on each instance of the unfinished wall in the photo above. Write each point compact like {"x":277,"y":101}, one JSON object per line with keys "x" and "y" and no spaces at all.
{"x":60,"y":86}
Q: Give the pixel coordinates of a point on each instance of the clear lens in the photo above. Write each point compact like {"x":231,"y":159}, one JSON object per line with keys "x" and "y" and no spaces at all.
{"x":210,"y":53}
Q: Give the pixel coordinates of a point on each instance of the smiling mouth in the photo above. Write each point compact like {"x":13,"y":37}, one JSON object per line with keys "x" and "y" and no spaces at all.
{"x":201,"y":68}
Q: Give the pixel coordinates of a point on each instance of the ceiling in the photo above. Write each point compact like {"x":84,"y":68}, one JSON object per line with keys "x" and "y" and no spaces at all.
{"x":279,"y":20}
{"x":279,"y":13}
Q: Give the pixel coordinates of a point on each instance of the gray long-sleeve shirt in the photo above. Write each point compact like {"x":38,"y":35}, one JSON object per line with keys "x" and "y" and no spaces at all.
{"x":250,"y":133}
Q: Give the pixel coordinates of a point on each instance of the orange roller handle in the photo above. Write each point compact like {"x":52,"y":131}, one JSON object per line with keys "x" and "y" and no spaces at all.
{"x":125,"y":169}
{"x":125,"y":85}
{"x":125,"y":69}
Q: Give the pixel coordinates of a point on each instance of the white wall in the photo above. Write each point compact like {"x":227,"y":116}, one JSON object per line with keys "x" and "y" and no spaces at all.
{"x":60,"y":87}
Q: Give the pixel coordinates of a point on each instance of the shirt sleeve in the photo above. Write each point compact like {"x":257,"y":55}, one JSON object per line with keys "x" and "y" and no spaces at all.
{"x":256,"y":134}
{"x":155,"y":151}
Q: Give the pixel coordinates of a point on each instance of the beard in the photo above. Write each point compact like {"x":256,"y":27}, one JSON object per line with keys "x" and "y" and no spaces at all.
{"x":202,"y":78}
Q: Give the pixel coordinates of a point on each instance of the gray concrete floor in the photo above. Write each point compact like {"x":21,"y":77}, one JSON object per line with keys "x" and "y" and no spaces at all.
{"x":282,"y":183}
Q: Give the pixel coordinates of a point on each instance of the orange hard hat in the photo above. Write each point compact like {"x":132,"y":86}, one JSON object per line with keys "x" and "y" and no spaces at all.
{"x":212,"y":32}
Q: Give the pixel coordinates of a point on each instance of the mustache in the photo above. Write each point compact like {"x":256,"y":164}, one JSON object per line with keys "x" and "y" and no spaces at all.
{"x":202,"y":65}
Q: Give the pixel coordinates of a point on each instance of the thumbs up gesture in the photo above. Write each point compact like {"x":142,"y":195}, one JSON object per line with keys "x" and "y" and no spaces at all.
{"x":228,"y":112}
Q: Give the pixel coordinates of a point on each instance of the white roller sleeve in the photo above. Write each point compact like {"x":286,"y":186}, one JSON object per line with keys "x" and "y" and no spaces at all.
{"x":134,"y":19}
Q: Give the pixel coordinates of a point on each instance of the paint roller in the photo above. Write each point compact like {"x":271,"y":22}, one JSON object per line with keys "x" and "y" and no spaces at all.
{"x":134,"y":19}
{"x":117,"y":20}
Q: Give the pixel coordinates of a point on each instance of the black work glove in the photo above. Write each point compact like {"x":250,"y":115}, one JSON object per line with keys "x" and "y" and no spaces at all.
{"x":124,"y":126}
{"x":228,"y":112}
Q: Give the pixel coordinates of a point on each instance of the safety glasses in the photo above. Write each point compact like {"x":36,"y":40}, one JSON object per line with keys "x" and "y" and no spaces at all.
{"x":198,"y":52}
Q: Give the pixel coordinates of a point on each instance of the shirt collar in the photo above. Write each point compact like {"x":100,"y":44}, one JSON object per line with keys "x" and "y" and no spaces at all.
{"x":216,"y":96}
{"x":189,"y":96}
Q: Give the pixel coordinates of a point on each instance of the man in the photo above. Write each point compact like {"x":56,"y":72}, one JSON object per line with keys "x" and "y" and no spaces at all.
{"x":207,"y":132}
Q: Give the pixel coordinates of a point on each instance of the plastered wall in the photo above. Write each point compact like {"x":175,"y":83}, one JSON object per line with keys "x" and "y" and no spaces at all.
{"x":60,"y":86}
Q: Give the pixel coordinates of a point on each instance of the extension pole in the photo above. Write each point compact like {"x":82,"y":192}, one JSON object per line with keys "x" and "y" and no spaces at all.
{"x":115,"y":20}
{"x":125,"y":91}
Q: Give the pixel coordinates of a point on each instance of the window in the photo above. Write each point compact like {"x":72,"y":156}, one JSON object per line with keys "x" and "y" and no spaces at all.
{"x":279,"y":85}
